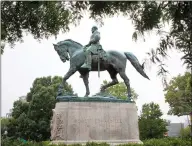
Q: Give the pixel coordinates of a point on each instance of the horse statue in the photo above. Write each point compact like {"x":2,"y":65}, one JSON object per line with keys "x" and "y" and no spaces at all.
{"x":114,"y":63}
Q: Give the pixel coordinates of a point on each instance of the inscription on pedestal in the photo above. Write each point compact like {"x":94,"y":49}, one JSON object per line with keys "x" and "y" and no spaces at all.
{"x":94,"y":121}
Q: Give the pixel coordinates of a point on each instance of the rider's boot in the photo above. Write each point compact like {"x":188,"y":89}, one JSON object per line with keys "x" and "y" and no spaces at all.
{"x":87,"y":63}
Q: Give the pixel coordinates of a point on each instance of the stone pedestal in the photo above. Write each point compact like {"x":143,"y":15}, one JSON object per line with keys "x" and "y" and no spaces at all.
{"x":94,"y":121}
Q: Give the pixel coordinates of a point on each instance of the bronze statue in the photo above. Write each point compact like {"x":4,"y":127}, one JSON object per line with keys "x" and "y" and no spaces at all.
{"x":112,"y":61}
{"x":92,"y":48}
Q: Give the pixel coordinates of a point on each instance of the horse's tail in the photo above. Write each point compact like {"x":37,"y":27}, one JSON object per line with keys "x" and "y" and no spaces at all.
{"x":134,"y":61}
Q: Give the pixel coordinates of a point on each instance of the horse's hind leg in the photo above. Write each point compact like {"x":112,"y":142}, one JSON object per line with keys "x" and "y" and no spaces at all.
{"x":126,"y":80}
{"x":113,"y":74}
{"x":85,"y":76}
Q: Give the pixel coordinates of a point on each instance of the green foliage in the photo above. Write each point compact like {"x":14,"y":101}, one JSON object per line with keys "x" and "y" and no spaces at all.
{"x":48,"y":83}
{"x":150,"y":123}
{"x":151,"y":142}
{"x":179,"y":96}
{"x":12,"y":127}
{"x":4,"y":124}
{"x":19,"y":108}
{"x":10,"y":142}
{"x":46,"y":18}
{"x":131,"y":144}
{"x":31,"y":120}
{"x":167,"y":142}
{"x":96,"y":144}
{"x":185,"y":132}
{"x":119,"y":91}
{"x":163,"y":142}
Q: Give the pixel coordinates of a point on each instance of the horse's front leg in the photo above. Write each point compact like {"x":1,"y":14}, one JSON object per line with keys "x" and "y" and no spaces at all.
{"x":85,"y":77}
{"x":67,"y":76}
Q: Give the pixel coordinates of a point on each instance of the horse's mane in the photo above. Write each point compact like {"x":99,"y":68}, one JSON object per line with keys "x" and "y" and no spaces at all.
{"x":70,"y":40}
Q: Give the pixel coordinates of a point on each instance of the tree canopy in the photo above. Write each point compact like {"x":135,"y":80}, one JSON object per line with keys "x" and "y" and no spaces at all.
{"x":150,"y":123}
{"x":179,"y":95}
{"x":40,"y":18}
{"x":19,"y":108}
{"x":185,"y":132}
{"x":4,"y":124}
{"x":31,"y":120}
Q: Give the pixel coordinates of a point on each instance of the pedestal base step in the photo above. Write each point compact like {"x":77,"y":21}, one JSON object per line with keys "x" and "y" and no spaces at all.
{"x":111,"y":142}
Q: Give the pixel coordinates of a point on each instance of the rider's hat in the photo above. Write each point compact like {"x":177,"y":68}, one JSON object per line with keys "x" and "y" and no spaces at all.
{"x":94,"y":27}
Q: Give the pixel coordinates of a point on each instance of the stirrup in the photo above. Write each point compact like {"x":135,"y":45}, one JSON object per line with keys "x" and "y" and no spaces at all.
{"x":86,"y":67}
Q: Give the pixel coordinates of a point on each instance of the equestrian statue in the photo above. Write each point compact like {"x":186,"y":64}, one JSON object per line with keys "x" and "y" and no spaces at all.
{"x":92,"y":57}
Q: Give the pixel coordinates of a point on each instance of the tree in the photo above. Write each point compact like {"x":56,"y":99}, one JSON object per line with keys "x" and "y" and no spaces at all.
{"x":119,"y":91}
{"x":185,"y":133}
{"x":4,"y":124}
{"x":39,"y":18}
{"x":150,"y":123}
{"x":50,"y":83}
{"x":179,"y":95}
{"x":31,"y":120}
{"x":19,"y":108}
{"x":21,"y":127}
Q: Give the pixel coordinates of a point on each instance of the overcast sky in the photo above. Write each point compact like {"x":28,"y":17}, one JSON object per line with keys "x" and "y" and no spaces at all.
{"x":31,"y":59}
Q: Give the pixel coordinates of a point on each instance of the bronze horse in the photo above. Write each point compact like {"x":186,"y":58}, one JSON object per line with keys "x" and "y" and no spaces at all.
{"x":114,"y":63}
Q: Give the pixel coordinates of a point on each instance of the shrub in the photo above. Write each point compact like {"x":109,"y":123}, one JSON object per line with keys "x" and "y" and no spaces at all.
{"x":185,"y":132}
{"x":167,"y":142}
{"x":151,"y":142}
{"x":131,"y":144}
{"x":9,"y":142}
{"x":96,"y":144}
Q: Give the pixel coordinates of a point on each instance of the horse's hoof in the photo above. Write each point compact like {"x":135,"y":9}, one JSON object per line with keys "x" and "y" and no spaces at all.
{"x":87,"y":94}
{"x":129,"y":98}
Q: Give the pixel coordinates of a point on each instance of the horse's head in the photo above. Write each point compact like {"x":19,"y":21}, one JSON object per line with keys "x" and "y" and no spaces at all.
{"x":62,"y":51}
{"x":66,"y":47}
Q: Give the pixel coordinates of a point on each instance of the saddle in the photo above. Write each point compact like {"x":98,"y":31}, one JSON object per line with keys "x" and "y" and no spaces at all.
{"x":102,"y":55}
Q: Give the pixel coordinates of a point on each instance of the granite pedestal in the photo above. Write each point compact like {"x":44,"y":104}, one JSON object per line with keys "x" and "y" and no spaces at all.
{"x":81,"y":120}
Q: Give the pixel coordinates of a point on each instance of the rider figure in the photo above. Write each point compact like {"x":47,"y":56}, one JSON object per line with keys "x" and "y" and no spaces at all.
{"x":92,"y":48}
